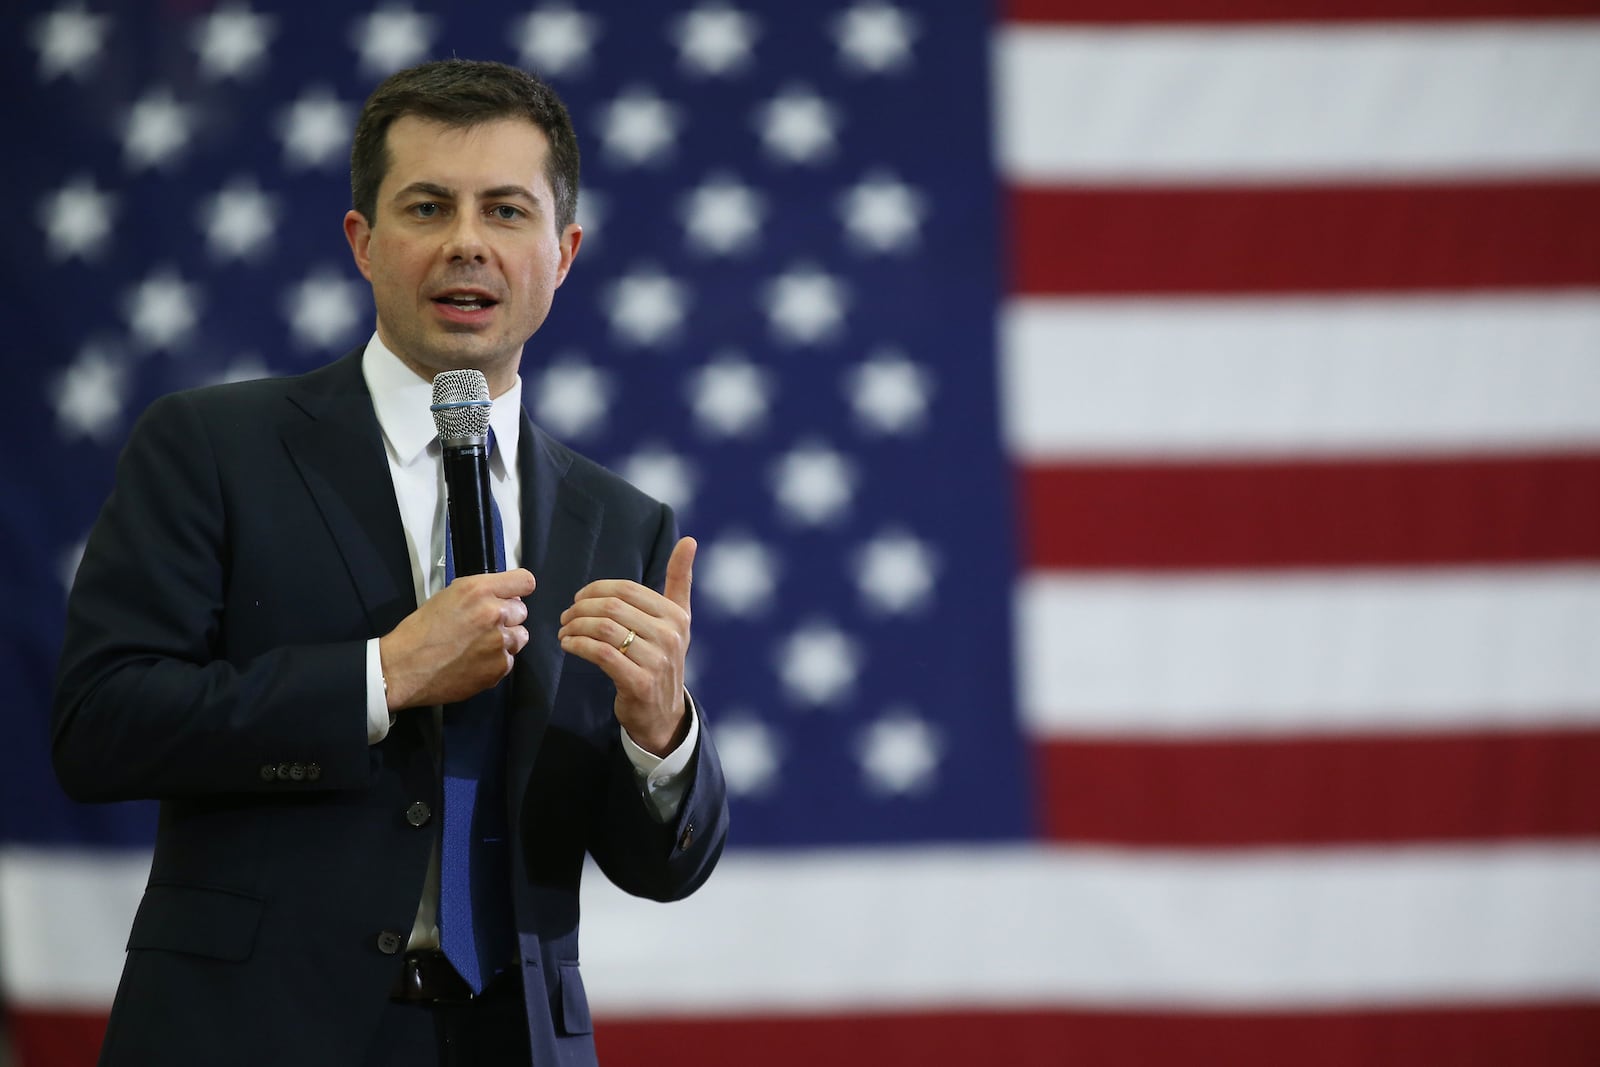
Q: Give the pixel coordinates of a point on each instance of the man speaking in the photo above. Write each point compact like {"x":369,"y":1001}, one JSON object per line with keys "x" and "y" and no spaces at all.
{"x":379,"y":772}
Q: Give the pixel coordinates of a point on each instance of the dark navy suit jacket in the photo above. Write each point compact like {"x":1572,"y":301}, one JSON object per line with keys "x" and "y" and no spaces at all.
{"x":215,"y":660}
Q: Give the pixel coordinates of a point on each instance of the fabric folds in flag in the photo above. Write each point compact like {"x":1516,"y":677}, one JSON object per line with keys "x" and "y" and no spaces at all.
{"x":1144,"y":457}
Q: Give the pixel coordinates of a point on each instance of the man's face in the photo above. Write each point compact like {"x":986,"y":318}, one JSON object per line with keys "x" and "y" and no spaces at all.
{"x":463,"y":253}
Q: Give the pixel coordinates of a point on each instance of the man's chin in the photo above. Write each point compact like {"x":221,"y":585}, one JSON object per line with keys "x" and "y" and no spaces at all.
{"x":470,"y":351}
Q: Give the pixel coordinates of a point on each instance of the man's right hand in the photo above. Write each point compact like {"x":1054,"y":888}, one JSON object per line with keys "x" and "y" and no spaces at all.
{"x":459,"y":643}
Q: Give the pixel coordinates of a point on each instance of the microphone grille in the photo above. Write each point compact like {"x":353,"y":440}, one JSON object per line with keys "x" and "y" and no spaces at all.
{"x":460,"y":403}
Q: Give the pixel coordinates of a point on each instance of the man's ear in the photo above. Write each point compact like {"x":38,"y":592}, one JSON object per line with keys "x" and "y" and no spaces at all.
{"x":359,"y":233}
{"x":571,"y":238}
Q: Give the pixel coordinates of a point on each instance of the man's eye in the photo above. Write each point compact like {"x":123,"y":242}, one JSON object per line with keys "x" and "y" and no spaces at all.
{"x":425,"y":211}
{"x":505,"y":212}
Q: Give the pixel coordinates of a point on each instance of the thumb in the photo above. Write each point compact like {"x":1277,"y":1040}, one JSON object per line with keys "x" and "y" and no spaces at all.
{"x":680,"y":572}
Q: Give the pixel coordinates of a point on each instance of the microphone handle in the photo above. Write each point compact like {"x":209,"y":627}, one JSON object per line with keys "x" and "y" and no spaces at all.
{"x":470,"y":507}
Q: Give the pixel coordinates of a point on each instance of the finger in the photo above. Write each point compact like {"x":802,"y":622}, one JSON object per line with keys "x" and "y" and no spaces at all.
{"x":642,"y":597}
{"x":513,"y":612}
{"x":680,"y":572}
{"x":516,"y":639}
{"x":513,"y":583}
{"x":503,"y":584}
{"x":622,"y":670}
{"x":637,"y":608}
{"x":604,"y":629}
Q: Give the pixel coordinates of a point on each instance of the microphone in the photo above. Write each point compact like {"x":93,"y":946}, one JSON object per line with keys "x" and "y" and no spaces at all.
{"x":461,"y":415}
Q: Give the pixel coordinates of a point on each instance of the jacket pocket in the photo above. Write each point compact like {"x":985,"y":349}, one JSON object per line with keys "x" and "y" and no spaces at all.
{"x":218,"y":923}
{"x":574,"y":1003}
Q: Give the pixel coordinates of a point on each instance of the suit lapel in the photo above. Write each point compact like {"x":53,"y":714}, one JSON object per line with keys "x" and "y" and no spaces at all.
{"x":338,"y":451}
{"x":560,"y":525}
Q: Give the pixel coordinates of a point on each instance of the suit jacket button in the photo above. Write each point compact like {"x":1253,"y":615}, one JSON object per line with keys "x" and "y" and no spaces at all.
{"x":283,"y":772}
{"x":418,"y":813}
{"x":313,"y":771}
{"x":687,"y":839}
{"x":269,"y":772}
{"x":389,"y":942}
{"x":297,"y":772}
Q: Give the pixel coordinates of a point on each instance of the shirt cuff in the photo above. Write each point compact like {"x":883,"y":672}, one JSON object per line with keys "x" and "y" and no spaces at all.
{"x":661,"y":778}
{"x":378,"y":718}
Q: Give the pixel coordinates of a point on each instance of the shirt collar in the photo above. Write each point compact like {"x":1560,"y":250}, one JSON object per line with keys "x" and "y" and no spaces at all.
{"x":400,"y":399}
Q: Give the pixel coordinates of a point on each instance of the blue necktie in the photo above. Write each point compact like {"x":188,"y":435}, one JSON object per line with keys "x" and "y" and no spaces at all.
{"x":475,"y":920}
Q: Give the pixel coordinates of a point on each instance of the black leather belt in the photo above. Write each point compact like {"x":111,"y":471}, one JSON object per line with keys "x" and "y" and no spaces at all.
{"x":427,"y":976}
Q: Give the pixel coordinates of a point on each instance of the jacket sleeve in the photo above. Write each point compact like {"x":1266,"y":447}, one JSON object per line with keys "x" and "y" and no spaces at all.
{"x":147,"y":705}
{"x":645,"y":857}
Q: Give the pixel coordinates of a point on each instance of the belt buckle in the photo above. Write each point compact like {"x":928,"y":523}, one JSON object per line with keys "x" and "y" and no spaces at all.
{"x":428,"y":977}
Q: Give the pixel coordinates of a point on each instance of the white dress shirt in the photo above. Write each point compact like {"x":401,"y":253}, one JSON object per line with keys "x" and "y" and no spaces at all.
{"x":400,"y":399}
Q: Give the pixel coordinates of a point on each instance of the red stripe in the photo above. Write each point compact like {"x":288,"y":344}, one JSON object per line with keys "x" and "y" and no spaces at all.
{"x":1328,"y":790}
{"x":1276,"y":239}
{"x":41,"y":1037}
{"x":1487,"y":1036}
{"x":1312,"y":513}
{"x":1069,"y":11}
{"x":1467,"y":1036}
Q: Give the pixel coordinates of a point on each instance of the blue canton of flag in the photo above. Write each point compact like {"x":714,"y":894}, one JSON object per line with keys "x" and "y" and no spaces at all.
{"x":781,"y":323}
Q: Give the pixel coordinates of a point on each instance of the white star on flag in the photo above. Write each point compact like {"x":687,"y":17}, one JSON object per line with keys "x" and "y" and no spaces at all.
{"x":894,"y":572}
{"x":646,"y":306}
{"x":721,"y":215}
{"x":874,"y":37}
{"x":392,"y":37}
{"x":571,"y":397}
{"x":555,"y":39}
{"x":818,"y":664}
{"x":593,"y":206}
{"x":813,"y":483}
{"x":899,"y":753}
{"x":736,"y":575}
{"x":888,"y":393}
{"x":315,"y":130}
{"x":729,"y":396}
{"x":749,"y":752}
{"x":805,"y":305}
{"x":797,"y":126}
{"x":245,"y":368}
{"x":663,"y":474}
{"x":232,"y":42}
{"x":162,"y":310}
{"x":638,"y":127}
{"x":90,"y":395}
{"x":238,"y":220}
{"x":323,"y":309}
{"x":881,"y":214}
{"x":714,"y":40}
{"x":77,"y":219}
{"x":68,"y":41}
{"x":158,"y":128}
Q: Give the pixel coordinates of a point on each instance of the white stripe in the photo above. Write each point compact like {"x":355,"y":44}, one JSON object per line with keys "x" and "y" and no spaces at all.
{"x":875,"y":930}
{"x":987,"y":926}
{"x":1243,"y":103}
{"x":64,"y":921}
{"x":1281,"y":653}
{"x":1154,"y":377}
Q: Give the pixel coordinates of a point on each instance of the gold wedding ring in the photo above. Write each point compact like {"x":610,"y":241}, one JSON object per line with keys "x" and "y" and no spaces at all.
{"x":626,"y":641}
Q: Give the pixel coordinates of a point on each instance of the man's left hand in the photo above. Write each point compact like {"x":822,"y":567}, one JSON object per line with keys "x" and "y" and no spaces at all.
{"x":648,"y":673}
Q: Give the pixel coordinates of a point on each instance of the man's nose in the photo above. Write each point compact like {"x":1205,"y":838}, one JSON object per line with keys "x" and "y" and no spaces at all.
{"x":465,"y":239}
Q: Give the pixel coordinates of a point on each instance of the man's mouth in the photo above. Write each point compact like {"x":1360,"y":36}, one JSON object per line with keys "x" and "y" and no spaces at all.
{"x":466,"y":301}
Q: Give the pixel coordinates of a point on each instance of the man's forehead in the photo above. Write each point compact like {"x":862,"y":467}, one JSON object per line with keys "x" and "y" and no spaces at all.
{"x":415,"y":144}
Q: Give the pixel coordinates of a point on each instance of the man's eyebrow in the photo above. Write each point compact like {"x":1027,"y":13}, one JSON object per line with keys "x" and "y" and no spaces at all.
{"x":503,"y":192}
{"x":438,"y":192}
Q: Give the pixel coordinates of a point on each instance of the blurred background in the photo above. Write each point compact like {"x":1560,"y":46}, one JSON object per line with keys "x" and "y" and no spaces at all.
{"x":1146,"y":456}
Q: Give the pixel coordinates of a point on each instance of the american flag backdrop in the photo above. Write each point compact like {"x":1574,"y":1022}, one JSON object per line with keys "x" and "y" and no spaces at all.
{"x":1146,"y":456}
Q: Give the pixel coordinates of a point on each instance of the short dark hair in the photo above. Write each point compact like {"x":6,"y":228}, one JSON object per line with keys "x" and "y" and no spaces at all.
{"x":462,"y":93}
